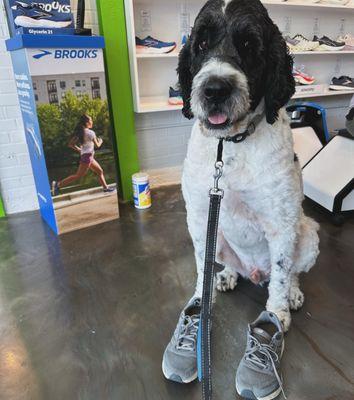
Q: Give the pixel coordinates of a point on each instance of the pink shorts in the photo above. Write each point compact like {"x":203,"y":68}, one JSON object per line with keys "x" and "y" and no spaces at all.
{"x":86,"y":158}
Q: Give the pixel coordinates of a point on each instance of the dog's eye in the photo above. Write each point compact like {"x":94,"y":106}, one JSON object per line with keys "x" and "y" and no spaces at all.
{"x":203,"y":45}
{"x":246,"y":44}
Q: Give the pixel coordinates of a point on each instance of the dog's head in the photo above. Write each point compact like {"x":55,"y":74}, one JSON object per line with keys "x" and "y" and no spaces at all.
{"x":234,"y":57}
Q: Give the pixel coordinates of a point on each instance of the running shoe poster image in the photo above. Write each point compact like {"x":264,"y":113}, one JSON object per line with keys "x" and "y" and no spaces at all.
{"x":46,"y":16}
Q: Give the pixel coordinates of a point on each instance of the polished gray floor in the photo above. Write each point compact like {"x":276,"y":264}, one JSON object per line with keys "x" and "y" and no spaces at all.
{"x":87,"y":316}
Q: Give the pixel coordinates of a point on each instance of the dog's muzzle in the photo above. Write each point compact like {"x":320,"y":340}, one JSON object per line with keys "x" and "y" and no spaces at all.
{"x":220,"y":96}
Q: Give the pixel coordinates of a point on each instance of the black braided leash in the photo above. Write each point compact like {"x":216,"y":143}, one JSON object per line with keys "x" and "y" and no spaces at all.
{"x":216,"y":194}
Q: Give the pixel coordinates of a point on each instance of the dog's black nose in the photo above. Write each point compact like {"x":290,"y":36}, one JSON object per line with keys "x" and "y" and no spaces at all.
{"x":217,"y":90}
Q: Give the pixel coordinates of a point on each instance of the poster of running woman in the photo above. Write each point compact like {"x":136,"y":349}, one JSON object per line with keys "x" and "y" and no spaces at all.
{"x":69,"y":95}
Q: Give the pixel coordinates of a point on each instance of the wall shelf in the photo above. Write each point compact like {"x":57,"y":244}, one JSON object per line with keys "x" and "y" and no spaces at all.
{"x":160,"y":103}
{"x":155,"y":104}
{"x":175,"y":54}
{"x":327,"y":93}
{"x":322,"y":53}
{"x":308,"y":4}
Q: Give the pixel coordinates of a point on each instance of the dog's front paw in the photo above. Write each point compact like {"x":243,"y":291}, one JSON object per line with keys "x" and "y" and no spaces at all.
{"x":284,"y":317}
{"x":226,"y":280}
{"x":296,"y":299}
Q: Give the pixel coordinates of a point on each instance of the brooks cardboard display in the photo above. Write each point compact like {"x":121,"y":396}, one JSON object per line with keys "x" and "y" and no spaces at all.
{"x":56,"y":86}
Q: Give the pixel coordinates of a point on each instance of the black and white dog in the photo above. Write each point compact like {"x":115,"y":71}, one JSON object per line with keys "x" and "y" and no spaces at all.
{"x":235,"y":67}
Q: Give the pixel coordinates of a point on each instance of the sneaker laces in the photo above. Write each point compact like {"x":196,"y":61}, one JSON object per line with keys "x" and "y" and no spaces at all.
{"x":260,"y":354}
{"x":187,"y":336}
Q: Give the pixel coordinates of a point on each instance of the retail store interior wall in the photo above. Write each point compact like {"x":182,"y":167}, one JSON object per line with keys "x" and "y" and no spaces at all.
{"x":154,"y":74}
{"x":162,"y":136}
{"x":16,"y":179}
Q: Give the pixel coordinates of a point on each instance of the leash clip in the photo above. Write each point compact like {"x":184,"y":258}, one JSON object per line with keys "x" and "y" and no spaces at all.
{"x":217,"y":175}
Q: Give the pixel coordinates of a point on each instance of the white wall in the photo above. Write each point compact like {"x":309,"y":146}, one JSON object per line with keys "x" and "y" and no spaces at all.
{"x":16,"y":179}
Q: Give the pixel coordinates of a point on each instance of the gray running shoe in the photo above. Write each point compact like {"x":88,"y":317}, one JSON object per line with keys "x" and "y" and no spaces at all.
{"x":179,"y":362}
{"x":258,"y":374}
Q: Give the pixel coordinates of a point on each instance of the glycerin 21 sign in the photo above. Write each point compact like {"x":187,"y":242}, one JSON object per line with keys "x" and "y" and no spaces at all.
{"x":42,"y":17}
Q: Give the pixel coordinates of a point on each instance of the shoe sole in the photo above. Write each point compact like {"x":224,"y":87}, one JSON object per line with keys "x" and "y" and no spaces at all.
{"x":303,"y":81}
{"x":250,"y":395}
{"x":154,"y":50}
{"x":173,"y":102}
{"x":299,"y":49}
{"x":325,"y":47}
{"x":340,"y":88}
{"x":28,"y":22}
{"x":177,"y":378}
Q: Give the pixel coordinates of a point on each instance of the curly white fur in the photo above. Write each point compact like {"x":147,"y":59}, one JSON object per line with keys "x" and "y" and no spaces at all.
{"x":262,"y":224}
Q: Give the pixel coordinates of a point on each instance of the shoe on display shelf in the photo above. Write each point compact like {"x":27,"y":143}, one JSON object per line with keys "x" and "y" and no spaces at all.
{"x":291,"y":43}
{"x":303,"y":44}
{"x":342,"y":83}
{"x":150,"y":45}
{"x":302,"y":77}
{"x":258,"y":375}
{"x":33,"y":16}
{"x":179,"y":362}
{"x":175,"y":97}
{"x":327,"y":44}
{"x":348,"y":39}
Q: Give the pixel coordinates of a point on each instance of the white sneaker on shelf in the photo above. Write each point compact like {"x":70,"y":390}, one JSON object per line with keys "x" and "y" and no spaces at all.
{"x":304,"y":44}
{"x":348,"y":39}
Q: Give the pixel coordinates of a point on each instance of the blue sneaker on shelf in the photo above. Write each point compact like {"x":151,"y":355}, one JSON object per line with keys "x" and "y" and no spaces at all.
{"x":175,"y":97}
{"x":31,"y":15}
{"x":150,"y":45}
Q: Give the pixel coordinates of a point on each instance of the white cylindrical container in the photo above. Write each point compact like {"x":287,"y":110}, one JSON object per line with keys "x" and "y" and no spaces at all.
{"x":141,"y":188}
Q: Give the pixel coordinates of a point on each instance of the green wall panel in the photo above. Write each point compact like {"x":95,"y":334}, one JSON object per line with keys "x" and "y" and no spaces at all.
{"x":2,"y":211}
{"x":113,"y":28}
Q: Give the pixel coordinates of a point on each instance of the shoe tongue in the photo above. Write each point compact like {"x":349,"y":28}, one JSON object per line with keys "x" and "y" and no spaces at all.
{"x":261,"y":335}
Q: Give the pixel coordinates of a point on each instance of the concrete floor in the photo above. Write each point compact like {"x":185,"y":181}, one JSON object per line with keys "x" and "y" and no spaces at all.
{"x":87,"y":316}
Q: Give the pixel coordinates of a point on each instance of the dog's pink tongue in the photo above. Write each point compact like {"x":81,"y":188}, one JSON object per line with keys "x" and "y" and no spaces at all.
{"x":217,"y":119}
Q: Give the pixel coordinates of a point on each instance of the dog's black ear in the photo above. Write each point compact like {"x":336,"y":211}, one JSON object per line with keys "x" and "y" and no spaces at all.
{"x":280,"y":84}
{"x":185,"y":78}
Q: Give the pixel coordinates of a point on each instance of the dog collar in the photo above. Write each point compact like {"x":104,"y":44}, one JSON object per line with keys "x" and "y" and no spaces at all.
{"x":250,"y":130}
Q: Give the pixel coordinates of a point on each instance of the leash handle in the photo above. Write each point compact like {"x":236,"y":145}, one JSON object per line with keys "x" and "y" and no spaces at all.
{"x":216,"y":194}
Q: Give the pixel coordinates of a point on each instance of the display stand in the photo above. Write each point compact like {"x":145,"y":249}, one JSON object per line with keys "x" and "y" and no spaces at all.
{"x":34,"y":56}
